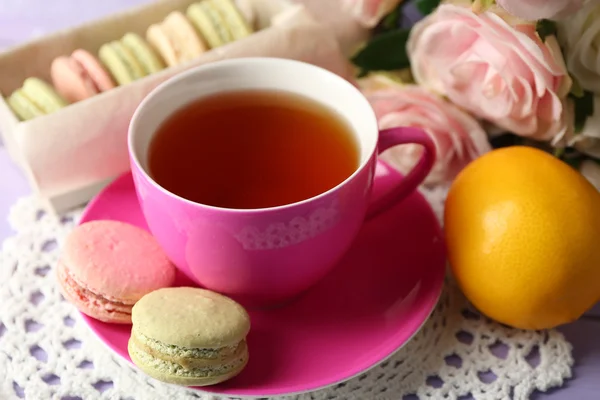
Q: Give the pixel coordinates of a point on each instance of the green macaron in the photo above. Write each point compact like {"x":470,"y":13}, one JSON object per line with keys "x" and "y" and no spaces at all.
{"x":209,"y":22}
{"x":34,"y":99}
{"x":189,"y":336}
{"x":121,"y":62}
{"x":233,"y":18}
{"x":143,"y":53}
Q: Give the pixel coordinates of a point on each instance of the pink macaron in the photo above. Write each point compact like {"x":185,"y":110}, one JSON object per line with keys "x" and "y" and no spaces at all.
{"x":79,"y":76}
{"x":107,"y":266}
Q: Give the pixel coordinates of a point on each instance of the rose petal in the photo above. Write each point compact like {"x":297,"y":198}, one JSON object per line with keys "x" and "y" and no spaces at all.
{"x":540,"y":9}
{"x":500,"y":72}
{"x":457,"y":136}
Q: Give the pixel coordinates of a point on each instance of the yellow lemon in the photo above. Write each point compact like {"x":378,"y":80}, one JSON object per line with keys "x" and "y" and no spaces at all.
{"x":523,"y":235}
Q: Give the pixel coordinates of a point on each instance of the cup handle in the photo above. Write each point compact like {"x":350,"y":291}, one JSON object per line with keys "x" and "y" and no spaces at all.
{"x":393,"y":137}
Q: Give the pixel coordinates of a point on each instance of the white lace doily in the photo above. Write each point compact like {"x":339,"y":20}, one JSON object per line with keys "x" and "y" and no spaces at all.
{"x":46,"y":351}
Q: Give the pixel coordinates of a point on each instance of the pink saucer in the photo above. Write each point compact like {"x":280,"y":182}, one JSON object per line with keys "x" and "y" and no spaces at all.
{"x":341,"y":327}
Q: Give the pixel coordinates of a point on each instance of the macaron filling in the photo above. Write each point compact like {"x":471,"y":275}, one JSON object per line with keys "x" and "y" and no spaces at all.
{"x":155,"y":347}
{"x":187,"y":367}
{"x":77,"y":290}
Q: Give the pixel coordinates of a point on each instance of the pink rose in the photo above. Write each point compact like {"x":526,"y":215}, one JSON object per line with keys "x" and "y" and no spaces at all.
{"x":458,"y":137}
{"x":499,"y":72}
{"x":539,"y":9}
{"x":369,"y":12}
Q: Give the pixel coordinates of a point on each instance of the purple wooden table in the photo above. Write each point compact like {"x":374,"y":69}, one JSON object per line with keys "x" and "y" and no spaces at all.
{"x":21,"y":20}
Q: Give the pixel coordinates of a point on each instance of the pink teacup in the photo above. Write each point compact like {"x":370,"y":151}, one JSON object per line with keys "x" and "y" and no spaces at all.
{"x":266,"y":256}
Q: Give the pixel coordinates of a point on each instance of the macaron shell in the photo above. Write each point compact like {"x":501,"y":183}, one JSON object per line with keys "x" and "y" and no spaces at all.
{"x":143,"y":53}
{"x":23,"y":107}
{"x":166,"y":372}
{"x":120,"y":62}
{"x":94,"y":306}
{"x":191,"y":317}
{"x":209,"y":23}
{"x":183,"y":36}
{"x":233,"y":18}
{"x":131,"y":62}
{"x":43,"y":95}
{"x":175,"y":39}
{"x":116,"y":260}
{"x":113,"y":63}
{"x":71,"y":80}
{"x":161,"y":43}
{"x":94,"y":69}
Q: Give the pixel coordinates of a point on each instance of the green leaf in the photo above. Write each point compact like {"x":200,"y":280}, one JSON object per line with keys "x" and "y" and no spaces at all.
{"x":576,"y":88}
{"x":559,"y":152}
{"x":390,"y":21}
{"x":584,"y":107}
{"x":480,"y":6}
{"x":362,"y":73}
{"x":545,"y":28}
{"x":385,"y":52}
{"x":572,"y":157}
{"x":506,"y":140}
{"x":426,"y":7}
{"x":574,"y":162}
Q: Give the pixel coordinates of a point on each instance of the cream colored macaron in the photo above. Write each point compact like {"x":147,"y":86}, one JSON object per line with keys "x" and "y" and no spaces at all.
{"x":189,"y":336}
{"x":175,"y":39}
{"x":221,"y":21}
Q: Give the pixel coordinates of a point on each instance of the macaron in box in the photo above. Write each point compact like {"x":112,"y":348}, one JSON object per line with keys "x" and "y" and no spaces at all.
{"x":176,"y":40}
{"x":71,"y":151}
{"x":79,"y":76}
{"x":34,"y":99}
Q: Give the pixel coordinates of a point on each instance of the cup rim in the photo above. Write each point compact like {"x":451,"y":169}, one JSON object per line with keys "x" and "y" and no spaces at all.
{"x":163,"y":86}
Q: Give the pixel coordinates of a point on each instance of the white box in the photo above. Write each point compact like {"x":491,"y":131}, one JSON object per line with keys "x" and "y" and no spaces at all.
{"x":68,"y":156}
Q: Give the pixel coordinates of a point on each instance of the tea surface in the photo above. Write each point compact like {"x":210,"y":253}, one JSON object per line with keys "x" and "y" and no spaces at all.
{"x":252,"y":149}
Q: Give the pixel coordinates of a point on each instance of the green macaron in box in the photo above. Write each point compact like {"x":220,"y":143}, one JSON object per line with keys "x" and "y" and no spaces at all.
{"x":66,"y":99}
